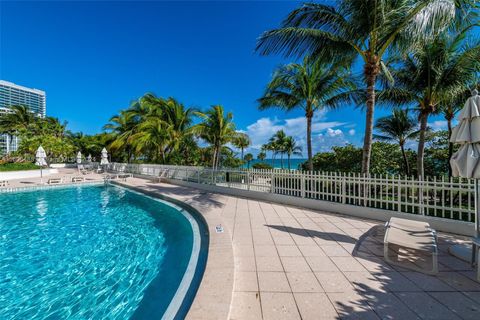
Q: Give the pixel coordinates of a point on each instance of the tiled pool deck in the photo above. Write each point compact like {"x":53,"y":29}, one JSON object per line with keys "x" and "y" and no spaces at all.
{"x":279,"y":262}
{"x":293,"y":263}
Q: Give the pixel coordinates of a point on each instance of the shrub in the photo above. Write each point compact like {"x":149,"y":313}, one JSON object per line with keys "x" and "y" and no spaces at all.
{"x":261,"y":165}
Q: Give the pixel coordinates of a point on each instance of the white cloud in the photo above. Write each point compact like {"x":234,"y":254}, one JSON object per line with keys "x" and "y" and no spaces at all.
{"x":351,"y":132}
{"x":325,"y":134}
{"x":438,"y":125}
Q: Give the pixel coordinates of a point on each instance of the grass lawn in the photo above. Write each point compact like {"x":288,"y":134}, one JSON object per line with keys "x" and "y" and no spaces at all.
{"x":18,"y":166}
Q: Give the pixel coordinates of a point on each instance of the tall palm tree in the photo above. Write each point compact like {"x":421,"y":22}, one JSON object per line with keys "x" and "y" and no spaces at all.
{"x":310,"y":86}
{"x":355,"y":28}
{"x":248,"y":158}
{"x":398,"y":127}
{"x":242,"y":142}
{"x":261,"y":156}
{"x":122,"y":127}
{"x":16,"y":119}
{"x":291,"y":148}
{"x":279,"y":139}
{"x":152,"y":137}
{"x":432,"y":75}
{"x":217,"y":129}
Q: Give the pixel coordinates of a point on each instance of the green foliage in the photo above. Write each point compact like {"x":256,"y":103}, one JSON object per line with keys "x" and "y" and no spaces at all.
{"x":262,"y":165}
{"x":18,"y":166}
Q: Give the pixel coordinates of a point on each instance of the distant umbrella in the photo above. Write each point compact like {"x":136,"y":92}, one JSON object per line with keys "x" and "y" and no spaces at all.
{"x":79,"y":157}
{"x":89,"y":158}
{"x":40,"y":157}
{"x":104,"y":160}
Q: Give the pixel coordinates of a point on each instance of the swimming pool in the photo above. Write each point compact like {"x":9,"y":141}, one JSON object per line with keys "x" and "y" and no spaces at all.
{"x":96,"y":252}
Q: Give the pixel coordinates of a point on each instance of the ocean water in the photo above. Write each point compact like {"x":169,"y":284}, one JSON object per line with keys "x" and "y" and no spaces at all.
{"x":294,"y":163}
{"x":89,"y":252}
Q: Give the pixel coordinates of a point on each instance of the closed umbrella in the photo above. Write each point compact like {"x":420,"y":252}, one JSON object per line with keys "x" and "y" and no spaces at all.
{"x":40,"y":160}
{"x":89,"y":158}
{"x":466,"y":161}
{"x":79,"y":157}
{"x":104,"y":160}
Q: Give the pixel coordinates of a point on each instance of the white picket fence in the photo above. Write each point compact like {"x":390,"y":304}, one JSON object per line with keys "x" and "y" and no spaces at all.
{"x":443,"y":198}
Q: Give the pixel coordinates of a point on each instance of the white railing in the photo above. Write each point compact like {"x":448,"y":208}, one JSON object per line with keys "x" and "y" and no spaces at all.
{"x":443,"y":198}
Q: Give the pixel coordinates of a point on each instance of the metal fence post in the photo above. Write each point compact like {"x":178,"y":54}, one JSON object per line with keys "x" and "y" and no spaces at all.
{"x":248,"y":180}
{"x":302,"y":187}
{"x":272,"y":182}
{"x":344,"y":189}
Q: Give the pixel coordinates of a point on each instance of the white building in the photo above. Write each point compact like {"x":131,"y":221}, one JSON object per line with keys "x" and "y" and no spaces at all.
{"x":12,"y":94}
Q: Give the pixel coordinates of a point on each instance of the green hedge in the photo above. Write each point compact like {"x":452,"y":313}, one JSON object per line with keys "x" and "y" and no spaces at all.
{"x":18,"y":166}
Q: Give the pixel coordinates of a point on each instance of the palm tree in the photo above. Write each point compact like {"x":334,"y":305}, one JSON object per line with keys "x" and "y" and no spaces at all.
{"x":217,"y":129}
{"x":261,"y":156}
{"x":291,"y":148}
{"x":358,"y":28}
{"x":398,"y":127}
{"x":432,"y":75}
{"x":278,"y":140}
{"x":242,"y":142}
{"x":310,"y":86}
{"x":123,"y":127}
{"x":248,"y":157}
{"x":16,"y":119}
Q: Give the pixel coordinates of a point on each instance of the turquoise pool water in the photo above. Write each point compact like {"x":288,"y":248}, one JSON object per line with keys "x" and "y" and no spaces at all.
{"x":92,"y":252}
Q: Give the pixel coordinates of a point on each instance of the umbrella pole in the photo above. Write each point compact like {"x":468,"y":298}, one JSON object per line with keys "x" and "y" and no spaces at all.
{"x":477,"y":208}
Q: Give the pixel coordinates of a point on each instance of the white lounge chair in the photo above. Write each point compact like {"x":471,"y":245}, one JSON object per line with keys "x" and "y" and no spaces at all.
{"x":4,"y":183}
{"x":78,"y":179}
{"x":55,"y":180}
{"x":415,"y":235}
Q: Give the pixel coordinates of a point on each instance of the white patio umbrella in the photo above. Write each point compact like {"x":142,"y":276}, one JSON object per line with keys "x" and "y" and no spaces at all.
{"x":466,"y":161}
{"x":79,"y":157}
{"x":40,"y":160}
{"x":104,"y":160}
{"x":89,"y":158}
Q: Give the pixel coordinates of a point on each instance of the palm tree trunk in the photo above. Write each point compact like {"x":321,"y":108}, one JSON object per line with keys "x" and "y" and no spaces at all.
{"x":371,"y":71}
{"x":288,"y":161}
{"x":405,"y":160}
{"x":309,"y":116}
{"x":421,"y":145}
{"x":450,"y":147}
{"x":214,"y":157}
{"x":281,"y":159}
{"x":242,"y":154}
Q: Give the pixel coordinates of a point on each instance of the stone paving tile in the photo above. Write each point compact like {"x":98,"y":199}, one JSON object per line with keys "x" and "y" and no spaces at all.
{"x":347,"y":264}
{"x":288,"y":251}
{"x":269,"y":264}
{"x":395,"y":282}
{"x":425,"y":306}
{"x":364,"y":281}
{"x":333,"y":281}
{"x":426,"y":282}
{"x":388,"y":306}
{"x":315,"y":306}
{"x":245,"y":263}
{"x":335,"y":250}
{"x":262,"y":250}
{"x":350,"y":305}
{"x":321,"y":264}
{"x":273,"y":282}
{"x":295,"y":264}
{"x":245,"y":306}
{"x":303,"y":282}
{"x":312,"y":251}
{"x":475,"y":296}
{"x":279,"y":306}
{"x":246,"y":281}
{"x":459,"y":281}
{"x":456,"y":302}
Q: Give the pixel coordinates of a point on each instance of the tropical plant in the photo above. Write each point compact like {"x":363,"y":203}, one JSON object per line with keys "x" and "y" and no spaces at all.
{"x":398,"y":127}
{"x":242,"y":141}
{"x":278,"y":141}
{"x":432,"y":75}
{"x":217,"y":129}
{"x":290,"y":147}
{"x":362,"y":28}
{"x":261,"y":155}
{"x":310,"y":86}
{"x":122,"y":127}
{"x":248,"y":158}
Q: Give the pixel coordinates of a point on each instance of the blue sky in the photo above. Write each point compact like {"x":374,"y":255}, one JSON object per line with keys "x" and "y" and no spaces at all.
{"x":94,"y":58}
